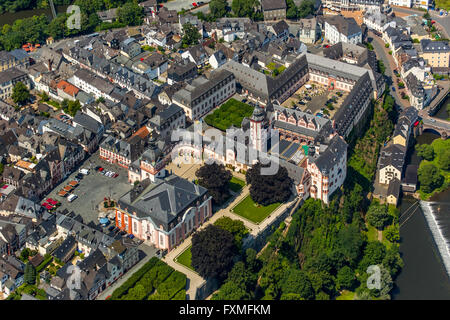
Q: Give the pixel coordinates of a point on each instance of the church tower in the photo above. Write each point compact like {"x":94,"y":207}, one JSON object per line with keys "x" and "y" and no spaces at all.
{"x":257,"y":136}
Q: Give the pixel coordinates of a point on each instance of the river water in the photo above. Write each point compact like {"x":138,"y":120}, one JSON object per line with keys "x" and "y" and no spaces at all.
{"x":425,"y":233}
{"x":9,"y":17}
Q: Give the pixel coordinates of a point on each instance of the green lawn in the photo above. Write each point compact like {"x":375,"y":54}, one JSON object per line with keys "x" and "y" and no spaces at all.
{"x":443,"y":4}
{"x":185,"y":258}
{"x":372,"y":233}
{"x":346,"y":295}
{"x":236,"y":184}
{"x":230,"y":113}
{"x":248,"y":209}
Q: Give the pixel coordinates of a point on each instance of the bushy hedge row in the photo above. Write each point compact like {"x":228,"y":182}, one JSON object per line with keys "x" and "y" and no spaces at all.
{"x":150,"y":280}
{"x":123,"y":289}
{"x":173,"y":284}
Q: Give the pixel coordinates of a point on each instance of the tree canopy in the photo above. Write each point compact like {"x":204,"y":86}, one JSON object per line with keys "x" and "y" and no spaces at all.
{"x":268,"y":189}
{"x":235,"y":227}
{"x":213,"y":250}
{"x":215,"y":177}
{"x":378,"y":216}
{"x":20,"y":94}
{"x":130,"y":14}
{"x":425,"y":151}
{"x":191,"y":35}
{"x":218,"y":8}
{"x":429,"y":177}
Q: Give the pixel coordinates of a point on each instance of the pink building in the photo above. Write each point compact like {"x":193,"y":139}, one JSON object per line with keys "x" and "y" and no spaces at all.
{"x":163,"y":213}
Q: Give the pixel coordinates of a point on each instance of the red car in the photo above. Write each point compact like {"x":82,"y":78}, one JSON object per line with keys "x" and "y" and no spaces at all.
{"x":115,"y":175}
{"x":194,"y":4}
{"x":51,"y":201}
{"x":100,"y":169}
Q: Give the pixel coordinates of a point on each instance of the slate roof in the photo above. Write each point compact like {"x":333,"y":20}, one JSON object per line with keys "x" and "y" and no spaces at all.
{"x":273,"y":4}
{"x":434,"y":46}
{"x":346,"y":26}
{"x":333,"y":153}
{"x":163,"y":202}
{"x":393,"y":155}
{"x":394,"y":188}
{"x":414,"y":85}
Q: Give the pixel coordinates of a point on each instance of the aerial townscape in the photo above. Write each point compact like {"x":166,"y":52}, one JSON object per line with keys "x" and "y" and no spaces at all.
{"x":224,"y":150}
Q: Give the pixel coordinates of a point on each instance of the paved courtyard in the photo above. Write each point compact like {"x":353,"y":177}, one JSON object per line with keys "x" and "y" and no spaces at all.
{"x":93,"y":188}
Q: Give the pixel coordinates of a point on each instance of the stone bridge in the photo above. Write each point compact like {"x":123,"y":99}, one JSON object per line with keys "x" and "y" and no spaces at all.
{"x":439,"y":126}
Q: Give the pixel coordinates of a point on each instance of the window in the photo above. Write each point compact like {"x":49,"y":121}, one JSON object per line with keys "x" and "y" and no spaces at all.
{"x":161,"y":240}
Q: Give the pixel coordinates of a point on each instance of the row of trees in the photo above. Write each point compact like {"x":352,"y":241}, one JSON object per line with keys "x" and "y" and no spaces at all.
{"x":434,"y":167}
{"x":249,"y":8}
{"x":37,"y":29}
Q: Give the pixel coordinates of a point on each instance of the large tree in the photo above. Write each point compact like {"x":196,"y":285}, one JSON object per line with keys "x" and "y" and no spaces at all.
{"x":306,"y":8}
{"x":218,"y":8}
{"x":130,"y":14}
{"x":191,"y":35}
{"x":378,"y":216}
{"x":297,"y":281}
{"x":244,"y":8}
{"x":266,"y":189}
{"x":443,"y":159}
{"x":345,"y":278}
{"x":425,"y":151}
{"x":235,"y":227}
{"x":213,"y":250}
{"x":20,"y":94}
{"x":429,"y":177}
{"x":215,"y":178}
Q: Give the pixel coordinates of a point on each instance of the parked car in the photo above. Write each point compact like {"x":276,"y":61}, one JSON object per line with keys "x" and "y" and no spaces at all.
{"x":393,"y":89}
{"x":115,"y":175}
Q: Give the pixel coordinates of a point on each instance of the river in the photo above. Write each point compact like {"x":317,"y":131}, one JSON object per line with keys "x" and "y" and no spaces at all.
{"x":424,"y":276}
{"x":10,"y":17}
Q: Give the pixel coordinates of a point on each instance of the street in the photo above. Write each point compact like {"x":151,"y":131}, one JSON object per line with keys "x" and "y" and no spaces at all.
{"x":389,"y":63}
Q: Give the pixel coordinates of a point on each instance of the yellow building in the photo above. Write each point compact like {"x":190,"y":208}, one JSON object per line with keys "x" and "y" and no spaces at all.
{"x":436,"y":53}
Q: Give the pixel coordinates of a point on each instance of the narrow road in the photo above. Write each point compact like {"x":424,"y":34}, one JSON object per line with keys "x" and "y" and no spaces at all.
{"x":389,"y":63}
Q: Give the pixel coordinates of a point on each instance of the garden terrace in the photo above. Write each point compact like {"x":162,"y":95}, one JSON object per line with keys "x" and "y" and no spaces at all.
{"x":231,"y":113}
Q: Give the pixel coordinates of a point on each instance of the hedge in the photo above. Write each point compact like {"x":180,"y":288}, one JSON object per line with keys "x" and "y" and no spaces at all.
{"x":180,"y":295}
{"x":123,"y":289}
{"x":44,"y":264}
{"x":174,"y":283}
{"x":161,"y":276}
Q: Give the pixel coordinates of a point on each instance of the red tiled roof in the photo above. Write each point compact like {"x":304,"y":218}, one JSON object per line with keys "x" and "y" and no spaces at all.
{"x":68,"y":88}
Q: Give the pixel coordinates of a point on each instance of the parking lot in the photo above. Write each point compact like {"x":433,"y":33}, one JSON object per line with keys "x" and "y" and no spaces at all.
{"x":93,"y":188}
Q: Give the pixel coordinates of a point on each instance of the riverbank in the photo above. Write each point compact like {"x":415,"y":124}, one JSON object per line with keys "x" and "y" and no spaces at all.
{"x":10,"y":17}
{"x":424,"y":276}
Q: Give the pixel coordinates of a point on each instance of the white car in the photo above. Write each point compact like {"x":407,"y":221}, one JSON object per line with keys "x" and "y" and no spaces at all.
{"x":72,"y":197}
{"x":84,"y":171}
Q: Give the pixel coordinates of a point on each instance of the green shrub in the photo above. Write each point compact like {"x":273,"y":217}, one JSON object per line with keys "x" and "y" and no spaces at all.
{"x":180,"y":295}
{"x":47,"y":260}
{"x":123,"y":289}
{"x":174,"y":283}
